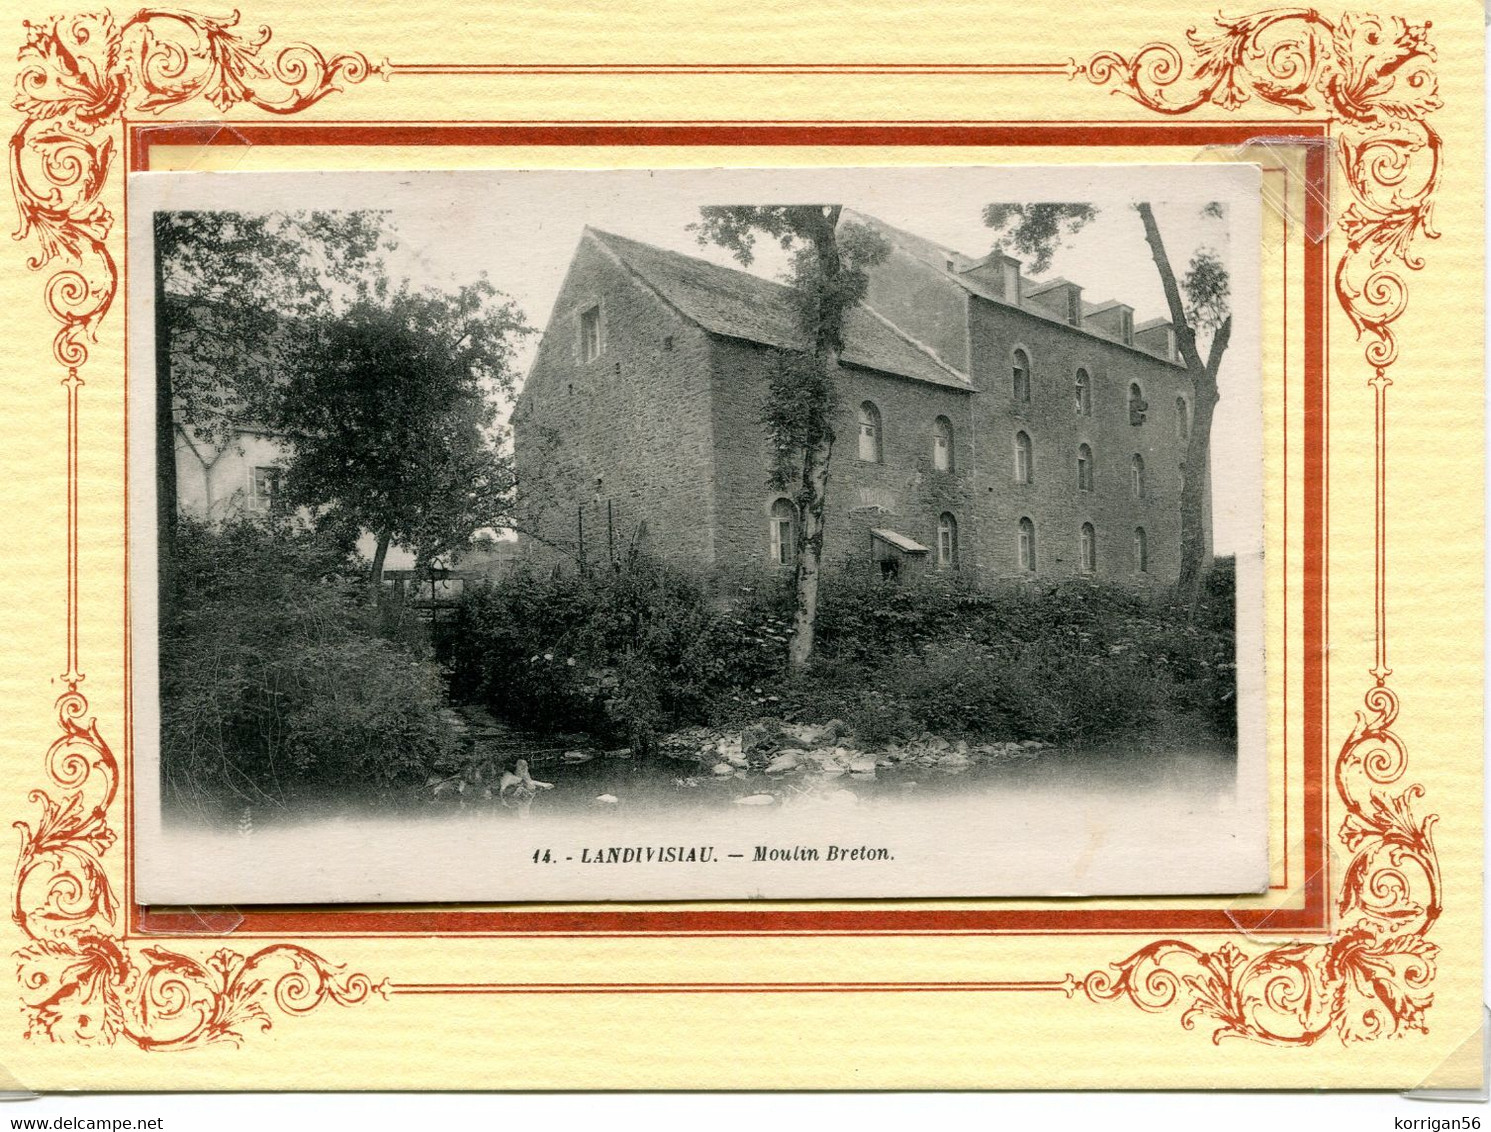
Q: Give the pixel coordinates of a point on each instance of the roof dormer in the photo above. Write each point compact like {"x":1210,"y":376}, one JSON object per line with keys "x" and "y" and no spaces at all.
{"x":1059,"y":297}
{"x":997,"y":273}
{"x":1113,"y":320}
{"x":1157,"y":337}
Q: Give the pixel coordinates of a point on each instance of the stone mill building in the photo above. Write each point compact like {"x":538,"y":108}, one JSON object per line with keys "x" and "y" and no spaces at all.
{"x":987,"y":423}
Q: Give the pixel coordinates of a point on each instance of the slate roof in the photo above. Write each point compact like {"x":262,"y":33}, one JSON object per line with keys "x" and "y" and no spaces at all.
{"x":936,"y":255}
{"x":739,"y":305}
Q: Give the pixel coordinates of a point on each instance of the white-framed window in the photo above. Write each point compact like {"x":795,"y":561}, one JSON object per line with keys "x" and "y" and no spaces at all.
{"x":1182,"y":418}
{"x":947,"y":542}
{"x":590,"y":334}
{"x":1024,"y":458}
{"x":1084,"y":393}
{"x":942,"y":445}
{"x":783,"y":533}
{"x":1025,"y":542}
{"x":264,"y":482}
{"x":870,"y":448}
{"x":1089,"y":549}
{"x":1137,"y":486}
{"x":1084,"y":467}
{"x":1141,"y":551}
{"x":1020,"y":376}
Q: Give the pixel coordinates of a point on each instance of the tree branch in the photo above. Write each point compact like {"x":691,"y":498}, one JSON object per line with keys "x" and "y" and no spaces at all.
{"x":1184,"y":336}
{"x":1218,"y":348}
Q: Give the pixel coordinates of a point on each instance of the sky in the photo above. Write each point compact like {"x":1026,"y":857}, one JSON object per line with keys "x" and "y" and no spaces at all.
{"x":521,"y":228}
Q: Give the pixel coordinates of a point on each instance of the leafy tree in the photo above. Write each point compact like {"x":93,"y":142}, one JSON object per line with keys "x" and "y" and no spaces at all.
{"x":1035,"y":230}
{"x":828,"y":277}
{"x":225,"y":285}
{"x":1199,"y":305}
{"x":391,"y":417}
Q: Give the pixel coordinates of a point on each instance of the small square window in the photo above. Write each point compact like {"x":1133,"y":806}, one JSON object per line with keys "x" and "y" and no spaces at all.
{"x":590,"y":334}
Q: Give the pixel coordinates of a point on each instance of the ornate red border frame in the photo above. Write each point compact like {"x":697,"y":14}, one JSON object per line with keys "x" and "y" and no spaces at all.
{"x":870,"y":918}
{"x":1362,"y":81}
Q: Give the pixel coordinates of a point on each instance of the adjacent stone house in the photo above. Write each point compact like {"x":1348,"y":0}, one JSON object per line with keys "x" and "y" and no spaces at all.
{"x":987,"y":423}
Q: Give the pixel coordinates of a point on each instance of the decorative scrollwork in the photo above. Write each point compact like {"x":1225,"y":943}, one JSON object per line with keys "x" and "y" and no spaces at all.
{"x":1372,"y":979}
{"x":1373,"y":76}
{"x":80,"y":74}
{"x":81,"y":980}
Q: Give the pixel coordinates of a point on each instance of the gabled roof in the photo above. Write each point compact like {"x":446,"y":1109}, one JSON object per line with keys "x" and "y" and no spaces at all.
{"x":735,"y":304}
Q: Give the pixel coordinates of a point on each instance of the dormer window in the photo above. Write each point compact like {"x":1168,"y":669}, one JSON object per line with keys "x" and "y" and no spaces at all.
{"x":1126,"y":326}
{"x":590,"y":334}
{"x":1073,"y":307}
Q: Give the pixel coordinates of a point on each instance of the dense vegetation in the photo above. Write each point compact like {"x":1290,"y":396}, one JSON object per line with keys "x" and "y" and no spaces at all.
{"x":629,"y":655}
{"x":277,"y":674}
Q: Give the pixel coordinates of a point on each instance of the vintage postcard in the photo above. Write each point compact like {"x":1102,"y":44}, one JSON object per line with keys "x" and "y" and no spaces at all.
{"x":497,"y":544}
{"x":668,"y":540}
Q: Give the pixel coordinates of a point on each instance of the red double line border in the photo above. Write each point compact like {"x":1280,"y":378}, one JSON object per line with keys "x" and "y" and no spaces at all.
{"x":1079,"y":917}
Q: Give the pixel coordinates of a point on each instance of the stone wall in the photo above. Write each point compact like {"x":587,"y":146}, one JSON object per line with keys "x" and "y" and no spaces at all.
{"x":903,"y":492}
{"x":630,"y":427}
{"x":1053,"y":500}
{"x":665,"y":424}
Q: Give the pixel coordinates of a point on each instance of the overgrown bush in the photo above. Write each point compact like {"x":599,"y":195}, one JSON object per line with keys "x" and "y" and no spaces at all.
{"x":627,"y":655}
{"x":277,"y":675}
{"x":624,"y":654}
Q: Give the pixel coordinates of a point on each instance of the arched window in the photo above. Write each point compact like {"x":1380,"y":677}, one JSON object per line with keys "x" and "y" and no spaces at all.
{"x":1182,"y":418}
{"x":1141,"y":551}
{"x":1026,"y":544}
{"x":1136,"y":476}
{"x":1084,"y":468}
{"x":1020,"y":376}
{"x":1084,"y":393}
{"x":947,"y":542}
{"x":869,"y":432}
{"x":1089,"y":549}
{"x":1137,"y":405}
{"x":783,"y":533}
{"x":1024,"y":459}
{"x":942,"y":444}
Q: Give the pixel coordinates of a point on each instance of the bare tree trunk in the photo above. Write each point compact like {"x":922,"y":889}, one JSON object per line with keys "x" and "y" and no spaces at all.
{"x":827,"y":323}
{"x":1193,"y":505}
{"x":1203,"y":376}
{"x":809,"y":553}
{"x":165,"y":433}
{"x":375,"y":582}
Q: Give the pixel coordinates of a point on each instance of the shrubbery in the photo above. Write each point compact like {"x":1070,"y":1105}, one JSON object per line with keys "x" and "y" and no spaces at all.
{"x":628,"y":655}
{"x":625,"y":655}
{"x":277,"y":674}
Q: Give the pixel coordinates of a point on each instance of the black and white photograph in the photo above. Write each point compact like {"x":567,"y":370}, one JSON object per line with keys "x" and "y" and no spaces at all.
{"x":716,"y":534}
